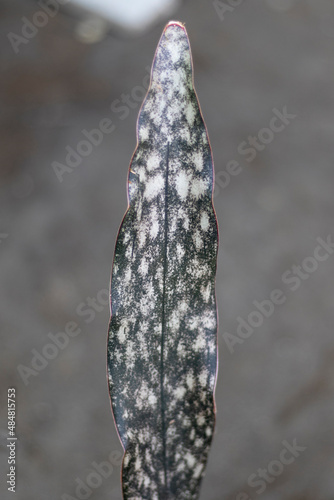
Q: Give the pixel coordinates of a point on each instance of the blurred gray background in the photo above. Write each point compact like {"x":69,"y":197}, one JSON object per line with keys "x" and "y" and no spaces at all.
{"x":58,"y":234}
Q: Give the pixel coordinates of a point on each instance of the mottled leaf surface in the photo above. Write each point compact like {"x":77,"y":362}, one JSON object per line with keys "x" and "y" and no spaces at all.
{"x":162,"y":345}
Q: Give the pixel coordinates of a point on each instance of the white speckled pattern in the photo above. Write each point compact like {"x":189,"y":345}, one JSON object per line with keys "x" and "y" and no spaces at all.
{"x":162,"y":346}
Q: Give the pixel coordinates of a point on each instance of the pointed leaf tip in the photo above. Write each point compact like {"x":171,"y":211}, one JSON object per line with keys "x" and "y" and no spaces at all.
{"x":175,"y":23}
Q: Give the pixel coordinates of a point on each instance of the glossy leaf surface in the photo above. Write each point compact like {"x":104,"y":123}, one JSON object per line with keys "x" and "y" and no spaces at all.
{"x":162,"y":345}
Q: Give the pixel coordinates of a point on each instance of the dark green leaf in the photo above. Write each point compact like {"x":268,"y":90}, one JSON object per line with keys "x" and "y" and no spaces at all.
{"x":162,"y":347}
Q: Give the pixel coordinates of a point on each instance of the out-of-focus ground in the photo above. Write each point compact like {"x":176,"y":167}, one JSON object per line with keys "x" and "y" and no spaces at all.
{"x":57,"y":242}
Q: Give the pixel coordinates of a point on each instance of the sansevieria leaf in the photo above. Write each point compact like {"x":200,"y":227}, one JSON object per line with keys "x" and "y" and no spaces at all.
{"x":162,"y":345}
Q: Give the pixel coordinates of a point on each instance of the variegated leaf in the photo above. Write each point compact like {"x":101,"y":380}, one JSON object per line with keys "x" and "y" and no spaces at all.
{"x":162,"y":347}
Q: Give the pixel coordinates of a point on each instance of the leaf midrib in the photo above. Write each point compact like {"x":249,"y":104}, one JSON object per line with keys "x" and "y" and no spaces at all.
{"x":163,"y":327}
